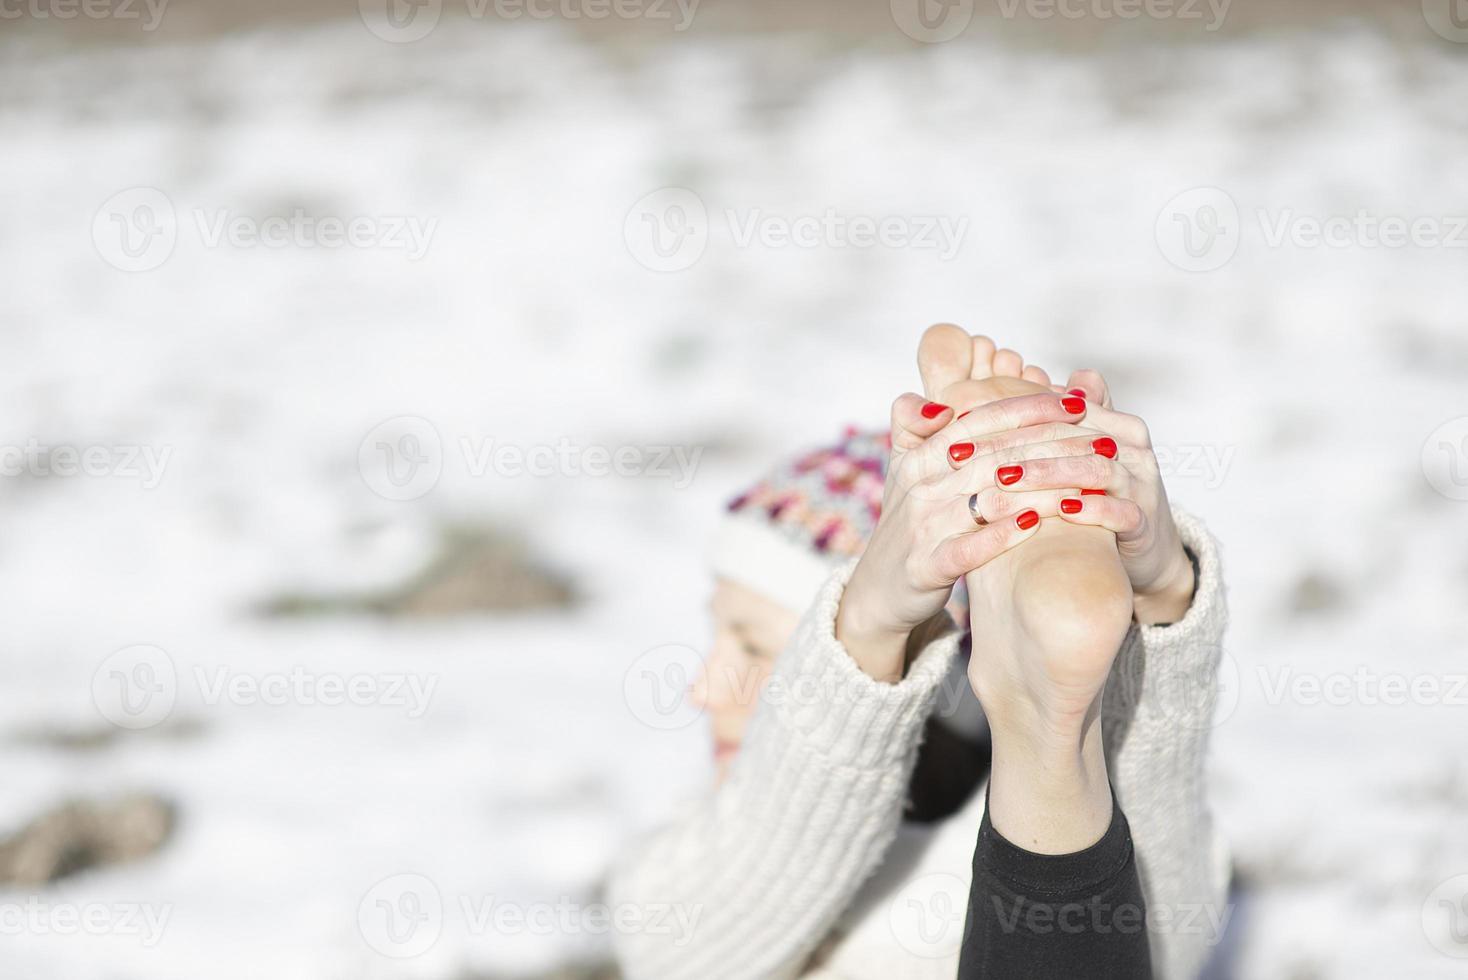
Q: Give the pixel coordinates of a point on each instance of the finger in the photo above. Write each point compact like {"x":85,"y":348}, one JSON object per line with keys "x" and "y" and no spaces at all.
{"x":915,"y":420}
{"x":945,"y":356}
{"x":990,"y":470}
{"x":1036,"y":375}
{"x":1092,"y":386}
{"x":1017,"y":413}
{"x":996,"y":417}
{"x":955,"y":557}
{"x":959,"y":440}
{"x":1003,"y":443}
{"x":1129,"y":430}
{"x":995,"y":505}
{"x":1124,"y":518}
{"x":1008,"y":363}
{"x":1091,"y":471}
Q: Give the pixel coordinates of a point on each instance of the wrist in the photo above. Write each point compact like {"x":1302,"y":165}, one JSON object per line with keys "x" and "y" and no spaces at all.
{"x":1171,"y":596}
{"x":878,"y":648}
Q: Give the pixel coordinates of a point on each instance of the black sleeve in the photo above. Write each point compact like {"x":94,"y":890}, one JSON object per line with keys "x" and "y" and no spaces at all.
{"x":1042,"y":916}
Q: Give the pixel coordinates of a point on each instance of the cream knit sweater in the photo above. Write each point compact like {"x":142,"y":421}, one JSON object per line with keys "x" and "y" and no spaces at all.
{"x":799,"y":864}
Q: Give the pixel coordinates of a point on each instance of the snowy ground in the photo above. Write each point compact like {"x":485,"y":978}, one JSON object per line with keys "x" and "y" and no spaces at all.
{"x":1297,"y":390}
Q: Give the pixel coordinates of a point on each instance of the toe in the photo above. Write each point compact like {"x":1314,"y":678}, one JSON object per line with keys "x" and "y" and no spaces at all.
{"x":1008,"y":364}
{"x":1093,"y":384}
{"x":945,"y":356}
{"x":1036,"y":374}
{"x":983,"y":358}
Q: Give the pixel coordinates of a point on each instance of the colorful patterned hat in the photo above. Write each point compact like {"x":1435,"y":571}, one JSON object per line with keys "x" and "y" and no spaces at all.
{"x":783,"y":536}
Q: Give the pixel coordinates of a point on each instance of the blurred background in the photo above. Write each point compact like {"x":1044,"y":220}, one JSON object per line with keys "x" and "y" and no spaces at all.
{"x":377,"y":373}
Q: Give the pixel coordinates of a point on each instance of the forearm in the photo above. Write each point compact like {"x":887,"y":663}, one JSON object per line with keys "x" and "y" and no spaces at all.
{"x":1158,"y":715}
{"x":767,"y":864}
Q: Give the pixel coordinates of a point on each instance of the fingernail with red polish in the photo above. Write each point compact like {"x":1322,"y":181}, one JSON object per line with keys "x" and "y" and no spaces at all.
{"x":1010,"y":475}
{"x":932,"y":410}
{"x":1073,"y":405}
{"x":1027,"y":520}
{"x":966,"y":414}
{"x":1071,"y":505}
{"x":1093,"y":493}
{"x":960,"y":451}
{"x":1078,"y":392}
{"x":1105,"y":446}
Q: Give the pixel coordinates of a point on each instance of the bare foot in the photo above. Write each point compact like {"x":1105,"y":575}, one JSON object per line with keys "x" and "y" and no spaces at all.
{"x":1048,"y":619}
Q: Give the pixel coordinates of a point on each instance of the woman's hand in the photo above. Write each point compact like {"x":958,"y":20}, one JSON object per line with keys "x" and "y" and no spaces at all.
{"x":927,"y":538}
{"x":1120,"y":489}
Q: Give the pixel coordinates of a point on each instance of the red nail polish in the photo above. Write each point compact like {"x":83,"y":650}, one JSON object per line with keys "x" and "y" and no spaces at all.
{"x":1105,"y":446}
{"x":1071,"y":505}
{"x":1027,"y":520}
{"x":1073,"y":405}
{"x":960,"y":451}
{"x":1078,"y":392}
{"x":1010,"y":475}
{"x":932,"y":410}
{"x":966,"y":414}
{"x":1093,"y":493}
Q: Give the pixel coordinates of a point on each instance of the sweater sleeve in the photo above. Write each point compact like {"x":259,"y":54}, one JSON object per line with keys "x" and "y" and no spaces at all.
{"x":1157,"y":714}
{"x":761,"y":870}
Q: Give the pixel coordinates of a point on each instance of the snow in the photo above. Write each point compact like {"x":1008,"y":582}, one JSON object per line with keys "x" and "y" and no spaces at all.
{"x":1311,"y":377}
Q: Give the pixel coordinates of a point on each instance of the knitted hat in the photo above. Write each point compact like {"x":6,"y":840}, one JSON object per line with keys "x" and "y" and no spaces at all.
{"x":785,"y":535}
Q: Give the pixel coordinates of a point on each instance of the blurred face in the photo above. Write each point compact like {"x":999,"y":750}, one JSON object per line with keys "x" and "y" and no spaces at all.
{"x":749,"y":633}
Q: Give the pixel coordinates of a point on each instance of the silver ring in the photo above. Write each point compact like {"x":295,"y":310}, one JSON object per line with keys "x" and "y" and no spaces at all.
{"x":973,"y":509}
